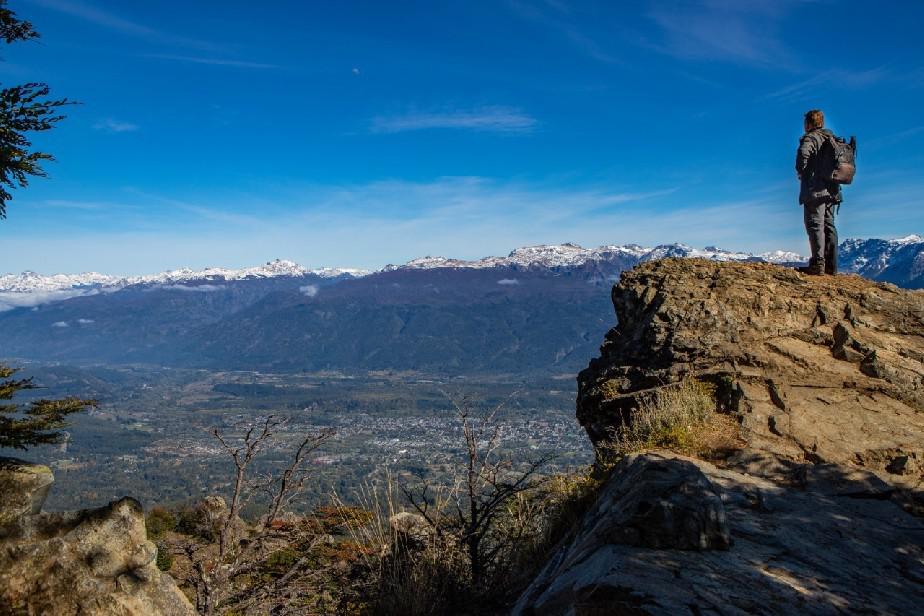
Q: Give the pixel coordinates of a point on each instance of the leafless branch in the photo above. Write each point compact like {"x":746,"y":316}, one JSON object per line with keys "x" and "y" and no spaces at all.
{"x":211,"y":578}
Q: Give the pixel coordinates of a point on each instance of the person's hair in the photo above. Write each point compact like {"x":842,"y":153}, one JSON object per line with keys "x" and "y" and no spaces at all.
{"x":814,"y":118}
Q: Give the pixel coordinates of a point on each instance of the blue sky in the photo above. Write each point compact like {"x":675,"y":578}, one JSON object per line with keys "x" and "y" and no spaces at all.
{"x":363,"y":133}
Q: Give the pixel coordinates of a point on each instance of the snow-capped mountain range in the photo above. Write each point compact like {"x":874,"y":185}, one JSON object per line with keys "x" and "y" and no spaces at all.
{"x":561,"y":255}
{"x":30,"y":288}
{"x":871,"y":258}
{"x":571,"y":255}
{"x":539,"y":308}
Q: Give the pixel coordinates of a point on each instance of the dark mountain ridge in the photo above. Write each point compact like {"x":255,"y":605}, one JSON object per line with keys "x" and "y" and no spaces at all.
{"x":541,"y":309}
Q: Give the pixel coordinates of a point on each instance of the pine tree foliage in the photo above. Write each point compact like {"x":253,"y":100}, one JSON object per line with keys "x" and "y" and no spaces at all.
{"x":24,"y":109}
{"x":40,"y":422}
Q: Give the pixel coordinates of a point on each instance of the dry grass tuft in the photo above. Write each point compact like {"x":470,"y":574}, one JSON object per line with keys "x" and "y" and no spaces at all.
{"x":681,"y":418}
{"x":405,"y":569}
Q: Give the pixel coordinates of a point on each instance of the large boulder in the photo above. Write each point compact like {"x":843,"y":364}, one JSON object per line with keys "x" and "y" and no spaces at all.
{"x":95,"y":562}
{"x":820,"y":369}
{"x":792,"y":551}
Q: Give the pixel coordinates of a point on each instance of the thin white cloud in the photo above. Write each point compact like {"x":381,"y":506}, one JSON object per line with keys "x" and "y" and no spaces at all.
{"x":508,"y":281}
{"x":95,"y":15}
{"x":309,"y":290}
{"x":9,"y":301}
{"x":725,"y":30}
{"x":74,"y":205}
{"x":85,"y":321}
{"x":60,"y":324}
{"x":836,"y":78}
{"x":370,"y":225}
{"x":893,"y":138}
{"x":557,"y":20}
{"x":111,"y":125}
{"x":211,"y":61}
{"x":486,"y":119}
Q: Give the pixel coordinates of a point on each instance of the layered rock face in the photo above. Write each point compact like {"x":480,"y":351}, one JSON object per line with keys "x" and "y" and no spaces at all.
{"x":818,"y":512}
{"x":816,"y":368}
{"x":96,"y":562}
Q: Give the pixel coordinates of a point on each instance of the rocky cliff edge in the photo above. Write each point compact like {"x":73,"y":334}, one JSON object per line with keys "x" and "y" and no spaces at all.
{"x":815,"y":511}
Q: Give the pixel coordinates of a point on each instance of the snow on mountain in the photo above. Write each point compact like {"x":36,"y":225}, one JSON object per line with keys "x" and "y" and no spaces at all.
{"x":565,"y":255}
{"x":871,"y":258}
{"x":31,"y":289}
{"x":866,"y":257}
{"x":30,"y":282}
{"x":781,"y":256}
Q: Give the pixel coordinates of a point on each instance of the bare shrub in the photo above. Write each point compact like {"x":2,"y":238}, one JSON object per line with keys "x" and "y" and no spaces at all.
{"x":242,"y":552}
{"x":409,"y":568}
{"x":456,"y":549}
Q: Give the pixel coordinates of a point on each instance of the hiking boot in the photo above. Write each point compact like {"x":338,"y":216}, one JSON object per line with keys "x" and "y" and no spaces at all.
{"x":813,"y":269}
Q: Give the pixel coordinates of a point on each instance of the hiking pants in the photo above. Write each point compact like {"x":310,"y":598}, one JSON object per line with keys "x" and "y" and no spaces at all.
{"x":819,"y":223}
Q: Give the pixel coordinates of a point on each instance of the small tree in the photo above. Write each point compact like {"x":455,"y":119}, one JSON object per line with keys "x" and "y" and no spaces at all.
{"x":39,"y":423}
{"x":213,"y":573}
{"x":486,"y":485}
{"x":23,"y":109}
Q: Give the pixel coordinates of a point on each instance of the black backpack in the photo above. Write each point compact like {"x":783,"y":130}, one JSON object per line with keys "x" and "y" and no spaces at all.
{"x":839,"y":159}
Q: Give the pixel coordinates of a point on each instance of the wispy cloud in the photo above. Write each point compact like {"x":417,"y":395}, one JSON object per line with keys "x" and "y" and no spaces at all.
{"x":369,"y":225}
{"x":365,"y":225}
{"x":111,"y":21}
{"x":485,"y":119}
{"x":11,"y":300}
{"x":217,"y":215}
{"x":74,"y":205}
{"x":111,"y":125}
{"x":211,"y":61}
{"x":893,"y":138}
{"x":557,"y":16}
{"x":836,"y":78}
{"x":728,"y":30}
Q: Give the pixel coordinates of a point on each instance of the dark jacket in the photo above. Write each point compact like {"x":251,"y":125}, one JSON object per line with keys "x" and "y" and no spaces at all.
{"x":811,"y":170}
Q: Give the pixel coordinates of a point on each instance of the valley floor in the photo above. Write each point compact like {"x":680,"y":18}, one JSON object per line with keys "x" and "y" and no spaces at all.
{"x":151,"y":435}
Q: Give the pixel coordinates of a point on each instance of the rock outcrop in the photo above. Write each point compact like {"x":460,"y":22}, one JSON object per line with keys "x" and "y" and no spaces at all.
{"x":792,"y":552}
{"x":95,"y":562}
{"x":817,"y":512}
{"x":816,"y":369}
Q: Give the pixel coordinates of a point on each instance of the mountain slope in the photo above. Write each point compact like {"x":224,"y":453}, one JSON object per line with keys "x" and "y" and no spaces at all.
{"x":539,"y":308}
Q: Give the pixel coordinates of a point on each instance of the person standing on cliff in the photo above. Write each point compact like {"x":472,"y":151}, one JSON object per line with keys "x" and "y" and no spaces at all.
{"x":819,"y":197}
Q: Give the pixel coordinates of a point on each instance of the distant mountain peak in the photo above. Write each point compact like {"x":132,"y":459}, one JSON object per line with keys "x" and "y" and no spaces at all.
{"x":30,"y":288}
{"x":894,"y":260}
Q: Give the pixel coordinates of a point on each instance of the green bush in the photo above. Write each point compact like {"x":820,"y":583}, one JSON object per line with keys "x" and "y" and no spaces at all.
{"x":164,"y":557}
{"x":158,"y":522}
{"x":281,"y":561}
